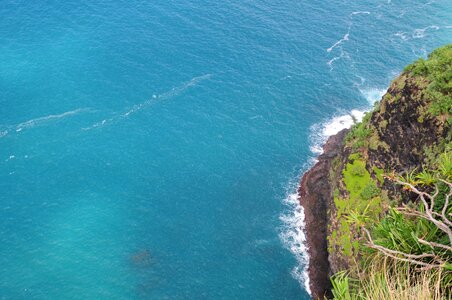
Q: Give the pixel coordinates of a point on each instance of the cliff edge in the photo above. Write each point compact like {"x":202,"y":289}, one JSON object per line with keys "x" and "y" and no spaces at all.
{"x":406,"y":131}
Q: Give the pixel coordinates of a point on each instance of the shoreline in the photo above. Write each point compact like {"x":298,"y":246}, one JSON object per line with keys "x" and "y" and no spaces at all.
{"x":314,"y":195}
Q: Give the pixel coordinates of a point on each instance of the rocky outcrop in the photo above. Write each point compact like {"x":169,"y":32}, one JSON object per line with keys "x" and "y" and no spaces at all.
{"x":315,"y":193}
{"x":400,"y":135}
{"x":403,"y":128}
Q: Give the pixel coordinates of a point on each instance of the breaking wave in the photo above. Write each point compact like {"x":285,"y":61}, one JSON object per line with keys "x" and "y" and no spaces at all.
{"x":320,"y":132}
{"x":294,"y":238}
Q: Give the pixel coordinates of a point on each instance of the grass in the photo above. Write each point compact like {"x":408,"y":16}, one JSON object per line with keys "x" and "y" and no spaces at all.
{"x":388,"y":279}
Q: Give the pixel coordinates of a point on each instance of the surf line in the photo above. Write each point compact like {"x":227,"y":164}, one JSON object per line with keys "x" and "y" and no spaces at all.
{"x":153,"y":100}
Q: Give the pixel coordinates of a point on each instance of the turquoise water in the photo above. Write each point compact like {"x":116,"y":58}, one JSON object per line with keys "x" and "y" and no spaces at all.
{"x":150,"y":150}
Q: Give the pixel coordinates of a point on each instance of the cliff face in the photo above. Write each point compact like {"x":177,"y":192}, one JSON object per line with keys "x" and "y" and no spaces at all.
{"x":403,"y":133}
{"x":315,"y":192}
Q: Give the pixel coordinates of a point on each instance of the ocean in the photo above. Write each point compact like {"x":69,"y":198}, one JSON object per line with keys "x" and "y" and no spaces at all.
{"x":152,"y":149}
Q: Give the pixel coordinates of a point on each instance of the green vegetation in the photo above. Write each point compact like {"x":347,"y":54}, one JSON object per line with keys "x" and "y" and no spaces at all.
{"x":363,"y":135}
{"x":437,"y":70}
{"x":398,"y":248}
{"x":357,"y":137}
{"x":379,"y":174}
{"x":408,"y":253}
{"x":363,"y":203}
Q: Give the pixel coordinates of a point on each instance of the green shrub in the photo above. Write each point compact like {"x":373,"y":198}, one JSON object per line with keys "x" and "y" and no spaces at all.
{"x":437,"y":69}
{"x":370,"y":190}
{"x":406,"y":254}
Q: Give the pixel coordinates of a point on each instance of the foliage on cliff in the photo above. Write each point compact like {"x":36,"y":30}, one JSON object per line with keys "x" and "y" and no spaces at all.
{"x":409,"y":253}
{"x":407,"y":134}
{"x":437,"y":70}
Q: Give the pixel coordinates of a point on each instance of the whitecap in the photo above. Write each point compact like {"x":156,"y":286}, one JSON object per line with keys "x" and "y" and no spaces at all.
{"x":360,"y":13}
{"x":10,"y":157}
{"x":331,"y":61}
{"x":320,"y":132}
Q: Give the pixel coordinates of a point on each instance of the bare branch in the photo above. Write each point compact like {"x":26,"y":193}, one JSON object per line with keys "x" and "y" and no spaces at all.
{"x":411,"y":258}
{"x":446,"y":204}
{"x":433,"y":244}
{"x":443,"y":225}
{"x":440,"y":220}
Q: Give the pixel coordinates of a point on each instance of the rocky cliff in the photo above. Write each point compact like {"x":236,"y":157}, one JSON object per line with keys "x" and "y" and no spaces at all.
{"x":315,"y":192}
{"x":407,"y":129}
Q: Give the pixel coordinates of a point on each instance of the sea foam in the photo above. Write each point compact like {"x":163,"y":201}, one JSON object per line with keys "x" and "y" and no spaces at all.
{"x":320,"y":132}
{"x":154,"y":99}
{"x":40,"y":121}
{"x":294,"y":238}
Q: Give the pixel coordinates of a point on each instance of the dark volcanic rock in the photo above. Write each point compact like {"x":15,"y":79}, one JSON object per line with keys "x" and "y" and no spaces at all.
{"x":315,"y":193}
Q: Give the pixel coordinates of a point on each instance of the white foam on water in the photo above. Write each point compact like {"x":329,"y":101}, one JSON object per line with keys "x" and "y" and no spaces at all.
{"x":3,"y":133}
{"x":373,"y":94}
{"x":339,"y":44}
{"x":420,"y":33}
{"x":360,"y":13}
{"x":10,"y":157}
{"x":402,"y":35}
{"x":331,"y":61}
{"x":321,"y":131}
{"x":41,"y":121}
{"x":422,"y":52}
{"x":38,"y":121}
{"x":343,"y":39}
{"x":154,"y":99}
{"x":346,"y":36}
{"x":294,"y":238}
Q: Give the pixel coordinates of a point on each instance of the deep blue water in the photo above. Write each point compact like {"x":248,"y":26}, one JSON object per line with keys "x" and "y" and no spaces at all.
{"x":148,"y":148}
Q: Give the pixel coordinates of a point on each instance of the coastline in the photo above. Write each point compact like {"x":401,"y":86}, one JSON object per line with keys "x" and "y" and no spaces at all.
{"x":314,"y":194}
